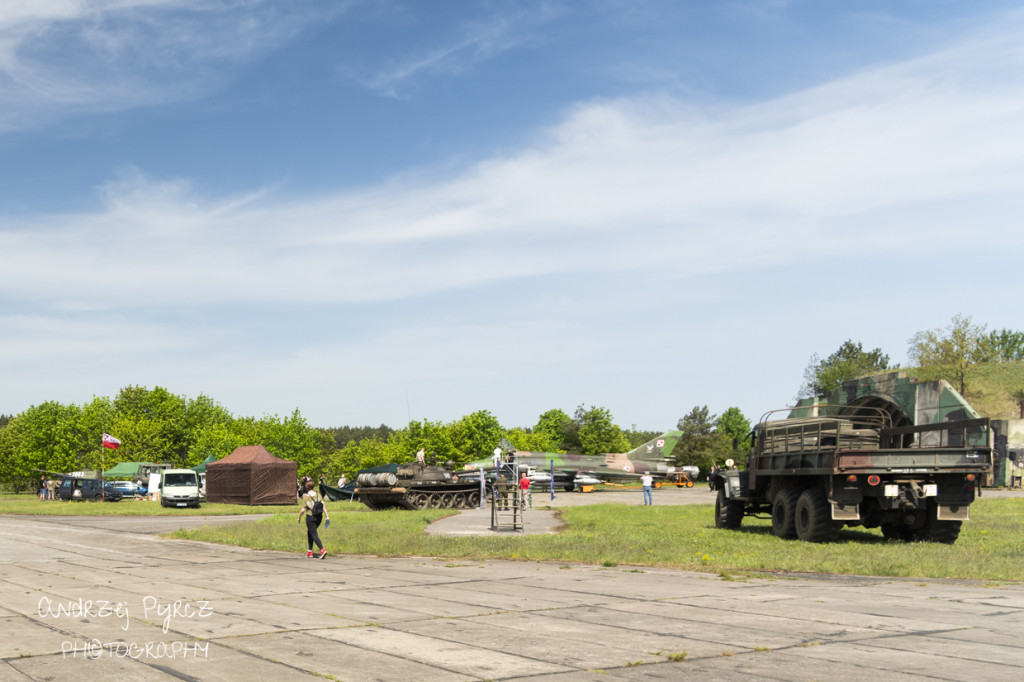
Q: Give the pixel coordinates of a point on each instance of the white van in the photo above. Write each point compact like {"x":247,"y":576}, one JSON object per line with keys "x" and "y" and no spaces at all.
{"x":179,"y":488}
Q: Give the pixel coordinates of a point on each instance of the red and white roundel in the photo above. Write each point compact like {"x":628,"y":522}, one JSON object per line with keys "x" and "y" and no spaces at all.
{"x":660,"y":443}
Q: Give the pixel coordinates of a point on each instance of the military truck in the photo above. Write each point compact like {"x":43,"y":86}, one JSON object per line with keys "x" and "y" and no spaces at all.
{"x":815,"y":474}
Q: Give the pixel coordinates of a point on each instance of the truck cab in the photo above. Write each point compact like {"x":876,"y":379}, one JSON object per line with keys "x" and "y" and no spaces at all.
{"x":179,"y":488}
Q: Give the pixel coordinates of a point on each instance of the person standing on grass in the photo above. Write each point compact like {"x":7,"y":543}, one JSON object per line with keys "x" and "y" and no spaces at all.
{"x":647,"y":481}
{"x":315,"y":510}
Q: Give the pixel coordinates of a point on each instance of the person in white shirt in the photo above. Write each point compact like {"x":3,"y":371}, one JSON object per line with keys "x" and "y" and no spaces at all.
{"x":647,"y":481}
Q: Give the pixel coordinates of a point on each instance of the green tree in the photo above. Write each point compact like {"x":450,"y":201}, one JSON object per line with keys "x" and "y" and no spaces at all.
{"x":293,"y":438}
{"x":850,"y":361}
{"x":558,"y":428}
{"x":701,"y":444}
{"x":151,"y":425}
{"x":344,"y":434}
{"x":532,"y":441}
{"x":1006,"y":345}
{"x":948,"y":353}
{"x":735,"y":427}
{"x":433,"y":437}
{"x":217,"y":439}
{"x":16,"y":462}
{"x":597,"y":432}
{"x":363,"y":454}
{"x":48,"y":437}
{"x":637,"y":438}
{"x":475,"y":436}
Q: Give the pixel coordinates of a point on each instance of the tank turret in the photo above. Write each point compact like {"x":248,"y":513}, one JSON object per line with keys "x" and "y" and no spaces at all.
{"x":415,"y":486}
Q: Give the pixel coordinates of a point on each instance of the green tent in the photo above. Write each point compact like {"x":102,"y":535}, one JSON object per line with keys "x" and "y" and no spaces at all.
{"x":201,"y":467}
{"x":126,"y":469}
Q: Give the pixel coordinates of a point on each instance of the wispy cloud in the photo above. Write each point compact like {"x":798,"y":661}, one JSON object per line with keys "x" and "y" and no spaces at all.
{"x":79,"y":56}
{"x":474,"y":42}
{"x":882,"y":158}
{"x":921,"y":160}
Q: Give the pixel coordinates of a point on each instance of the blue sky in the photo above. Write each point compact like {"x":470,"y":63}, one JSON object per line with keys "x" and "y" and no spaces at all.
{"x":383,"y":211}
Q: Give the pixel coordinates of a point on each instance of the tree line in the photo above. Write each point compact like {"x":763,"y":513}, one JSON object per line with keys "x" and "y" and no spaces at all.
{"x":942,"y":353}
{"x":155,"y":425}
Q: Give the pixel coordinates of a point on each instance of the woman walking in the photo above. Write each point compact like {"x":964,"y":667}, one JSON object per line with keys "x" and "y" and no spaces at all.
{"x":315,"y":509}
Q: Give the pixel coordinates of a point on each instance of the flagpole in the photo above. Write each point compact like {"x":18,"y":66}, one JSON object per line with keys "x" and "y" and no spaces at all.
{"x":103,"y":466}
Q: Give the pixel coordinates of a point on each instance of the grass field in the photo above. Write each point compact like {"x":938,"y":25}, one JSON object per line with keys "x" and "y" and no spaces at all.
{"x":990,"y":547}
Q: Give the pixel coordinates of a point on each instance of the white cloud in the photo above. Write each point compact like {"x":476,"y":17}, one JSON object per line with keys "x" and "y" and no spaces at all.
{"x":60,"y":57}
{"x":475,"y":42}
{"x":872,"y":161}
{"x":922,"y":160}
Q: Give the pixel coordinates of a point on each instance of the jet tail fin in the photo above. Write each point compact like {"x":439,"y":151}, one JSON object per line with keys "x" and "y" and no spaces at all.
{"x":657,"y":448}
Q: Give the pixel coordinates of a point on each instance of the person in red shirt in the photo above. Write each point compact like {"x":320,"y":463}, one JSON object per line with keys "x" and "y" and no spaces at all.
{"x":524,"y":489}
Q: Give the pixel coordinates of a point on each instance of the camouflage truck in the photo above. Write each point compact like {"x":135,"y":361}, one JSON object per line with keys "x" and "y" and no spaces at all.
{"x":815,"y":474}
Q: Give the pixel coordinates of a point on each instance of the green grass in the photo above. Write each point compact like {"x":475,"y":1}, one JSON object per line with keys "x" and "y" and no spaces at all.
{"x":684,"y":537}
{"x":31,"y":504}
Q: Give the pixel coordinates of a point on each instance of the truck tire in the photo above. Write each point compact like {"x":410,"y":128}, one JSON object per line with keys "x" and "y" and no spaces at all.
{"x":728,"y":513}
{"x":784,"y":513}
{"x":943,"y":531}
{"x":940,"y":531}
{"x":814,"y":517}
{"x":897,"y":531}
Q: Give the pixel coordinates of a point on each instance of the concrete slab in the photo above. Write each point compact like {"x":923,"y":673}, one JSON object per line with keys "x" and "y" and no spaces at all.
{"x":322,"y":656}
{"x":442,"y":654}
{"x":281,"y":616}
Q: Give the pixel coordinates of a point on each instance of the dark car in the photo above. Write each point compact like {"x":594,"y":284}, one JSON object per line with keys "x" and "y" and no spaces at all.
{"x":88,"y":489}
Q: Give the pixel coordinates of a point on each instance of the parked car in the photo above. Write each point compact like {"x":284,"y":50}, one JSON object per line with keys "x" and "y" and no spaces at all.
{"x":129,"y":488}
{"x":72,"y":488}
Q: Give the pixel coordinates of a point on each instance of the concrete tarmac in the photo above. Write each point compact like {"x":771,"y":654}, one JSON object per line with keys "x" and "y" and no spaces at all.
{"x":108,"y":600}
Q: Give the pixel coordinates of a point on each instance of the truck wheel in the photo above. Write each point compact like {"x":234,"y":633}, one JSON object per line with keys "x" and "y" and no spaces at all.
{"x":814,"y":517}
{"x":943,"y":531}
{"x":940,"y":531}
{"x":728,"y":513}
{"x":784,"y":513}
{"x":897,"y":531}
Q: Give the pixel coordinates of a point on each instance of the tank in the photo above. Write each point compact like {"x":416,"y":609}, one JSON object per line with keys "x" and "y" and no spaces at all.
{"x":416,"y":486}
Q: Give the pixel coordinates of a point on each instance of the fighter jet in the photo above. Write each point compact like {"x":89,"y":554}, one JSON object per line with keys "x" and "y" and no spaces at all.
{"x":571,"y":471}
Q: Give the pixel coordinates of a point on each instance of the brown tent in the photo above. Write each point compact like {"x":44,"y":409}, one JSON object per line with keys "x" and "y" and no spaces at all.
{"x":251,"y":475}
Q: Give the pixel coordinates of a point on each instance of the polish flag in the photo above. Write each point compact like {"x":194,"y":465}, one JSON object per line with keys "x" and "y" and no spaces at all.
{"x":110,"y":442}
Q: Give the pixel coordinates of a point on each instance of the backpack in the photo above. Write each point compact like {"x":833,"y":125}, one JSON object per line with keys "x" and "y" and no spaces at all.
{"x":317,"y":511}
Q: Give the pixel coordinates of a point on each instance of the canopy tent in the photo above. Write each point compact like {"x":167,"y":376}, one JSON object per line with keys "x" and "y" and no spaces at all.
{"x":128,"y":469}
{"x":334,"y":494}
{"x":201,"y":467}
{"x":251,"y":475}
